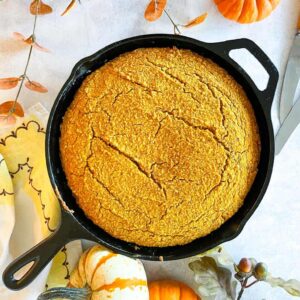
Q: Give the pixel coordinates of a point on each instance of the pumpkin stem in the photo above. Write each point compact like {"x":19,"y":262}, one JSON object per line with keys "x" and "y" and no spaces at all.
{"x":66,"y":293}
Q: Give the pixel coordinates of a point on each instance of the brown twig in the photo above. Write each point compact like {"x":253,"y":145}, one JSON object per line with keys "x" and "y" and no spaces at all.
{"x":176,"y":28}
{"x":245,"y":286}
{"x":252,"y":283}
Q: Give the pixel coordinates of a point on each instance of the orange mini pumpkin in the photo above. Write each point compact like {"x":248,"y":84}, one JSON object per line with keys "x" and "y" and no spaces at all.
{"x":246,"y":11}
{"x":171,"y":290}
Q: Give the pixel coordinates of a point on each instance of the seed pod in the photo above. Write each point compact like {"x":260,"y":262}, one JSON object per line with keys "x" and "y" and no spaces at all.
{"x":260,"y":271}
{"x":245,"y":265}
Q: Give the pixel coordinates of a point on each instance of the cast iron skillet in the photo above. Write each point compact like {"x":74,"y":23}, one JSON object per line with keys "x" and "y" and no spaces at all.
{"x":74,"y":225}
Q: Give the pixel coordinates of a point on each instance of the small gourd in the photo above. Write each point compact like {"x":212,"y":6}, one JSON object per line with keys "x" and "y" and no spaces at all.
{"x":171,"y":290}
{"x":246,"y":11}
{"x":110,"y":276}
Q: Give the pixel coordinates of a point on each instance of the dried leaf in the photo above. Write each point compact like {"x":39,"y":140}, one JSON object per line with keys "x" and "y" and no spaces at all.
{"x":18,"y":36}
{"x":155,"y":9}
{"x":8,"y":83}
{"x":11,"y":107}
{"x":69,"y":7}
{"x":36,"y":87}
{"x":29,"y":41}
{"x":196,"y":21}
{"x":42,"y":9}
{"x":292,"y":286}
{"x":7,"y":120}
{"x":220,"y":255}
{"x":39,"y":47}
{"x":214,"y":275}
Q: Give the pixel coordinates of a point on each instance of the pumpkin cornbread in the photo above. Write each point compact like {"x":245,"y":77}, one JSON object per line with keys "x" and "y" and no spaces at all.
{"x":160,"y":146}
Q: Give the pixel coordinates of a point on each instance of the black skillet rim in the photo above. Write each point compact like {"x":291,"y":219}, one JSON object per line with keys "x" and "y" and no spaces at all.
{"x":231,"y":228}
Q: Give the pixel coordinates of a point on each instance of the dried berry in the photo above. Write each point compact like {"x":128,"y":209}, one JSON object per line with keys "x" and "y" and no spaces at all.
{"x":245,"y":265}
{"x":260,"y":271}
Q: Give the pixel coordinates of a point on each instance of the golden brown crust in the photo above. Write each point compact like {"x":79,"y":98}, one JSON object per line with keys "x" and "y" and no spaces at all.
{"x":160,"y":146}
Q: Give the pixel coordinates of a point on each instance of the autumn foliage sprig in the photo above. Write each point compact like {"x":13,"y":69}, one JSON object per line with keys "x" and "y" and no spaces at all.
{"x":47,"y":9}
{"x":12,"y":109}
{"x":156,"y":8}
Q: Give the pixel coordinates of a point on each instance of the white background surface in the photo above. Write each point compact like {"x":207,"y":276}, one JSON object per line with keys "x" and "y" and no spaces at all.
{"x":272,"y":234}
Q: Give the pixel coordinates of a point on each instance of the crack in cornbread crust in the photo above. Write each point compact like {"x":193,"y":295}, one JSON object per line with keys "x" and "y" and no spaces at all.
{"x":160,"y":146}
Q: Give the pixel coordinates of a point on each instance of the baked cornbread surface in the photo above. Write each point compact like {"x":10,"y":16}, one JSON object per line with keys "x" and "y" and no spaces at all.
{"x":160,"y":146}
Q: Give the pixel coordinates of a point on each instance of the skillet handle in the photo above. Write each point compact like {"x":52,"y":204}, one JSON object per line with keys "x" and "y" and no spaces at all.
{"x":41,"y":254}
{"x":224,"y":49}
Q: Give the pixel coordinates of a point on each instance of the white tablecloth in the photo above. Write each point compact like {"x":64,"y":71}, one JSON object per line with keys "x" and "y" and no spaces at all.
{"x":271,"y":234}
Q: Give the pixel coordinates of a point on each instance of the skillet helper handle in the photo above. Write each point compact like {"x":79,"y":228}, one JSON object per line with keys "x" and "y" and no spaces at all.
{"x":41,"y":254}
{"x":259,"y":54}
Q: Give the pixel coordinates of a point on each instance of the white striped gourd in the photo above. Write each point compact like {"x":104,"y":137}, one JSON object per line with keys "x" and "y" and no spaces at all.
{"x":110,"y":276}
